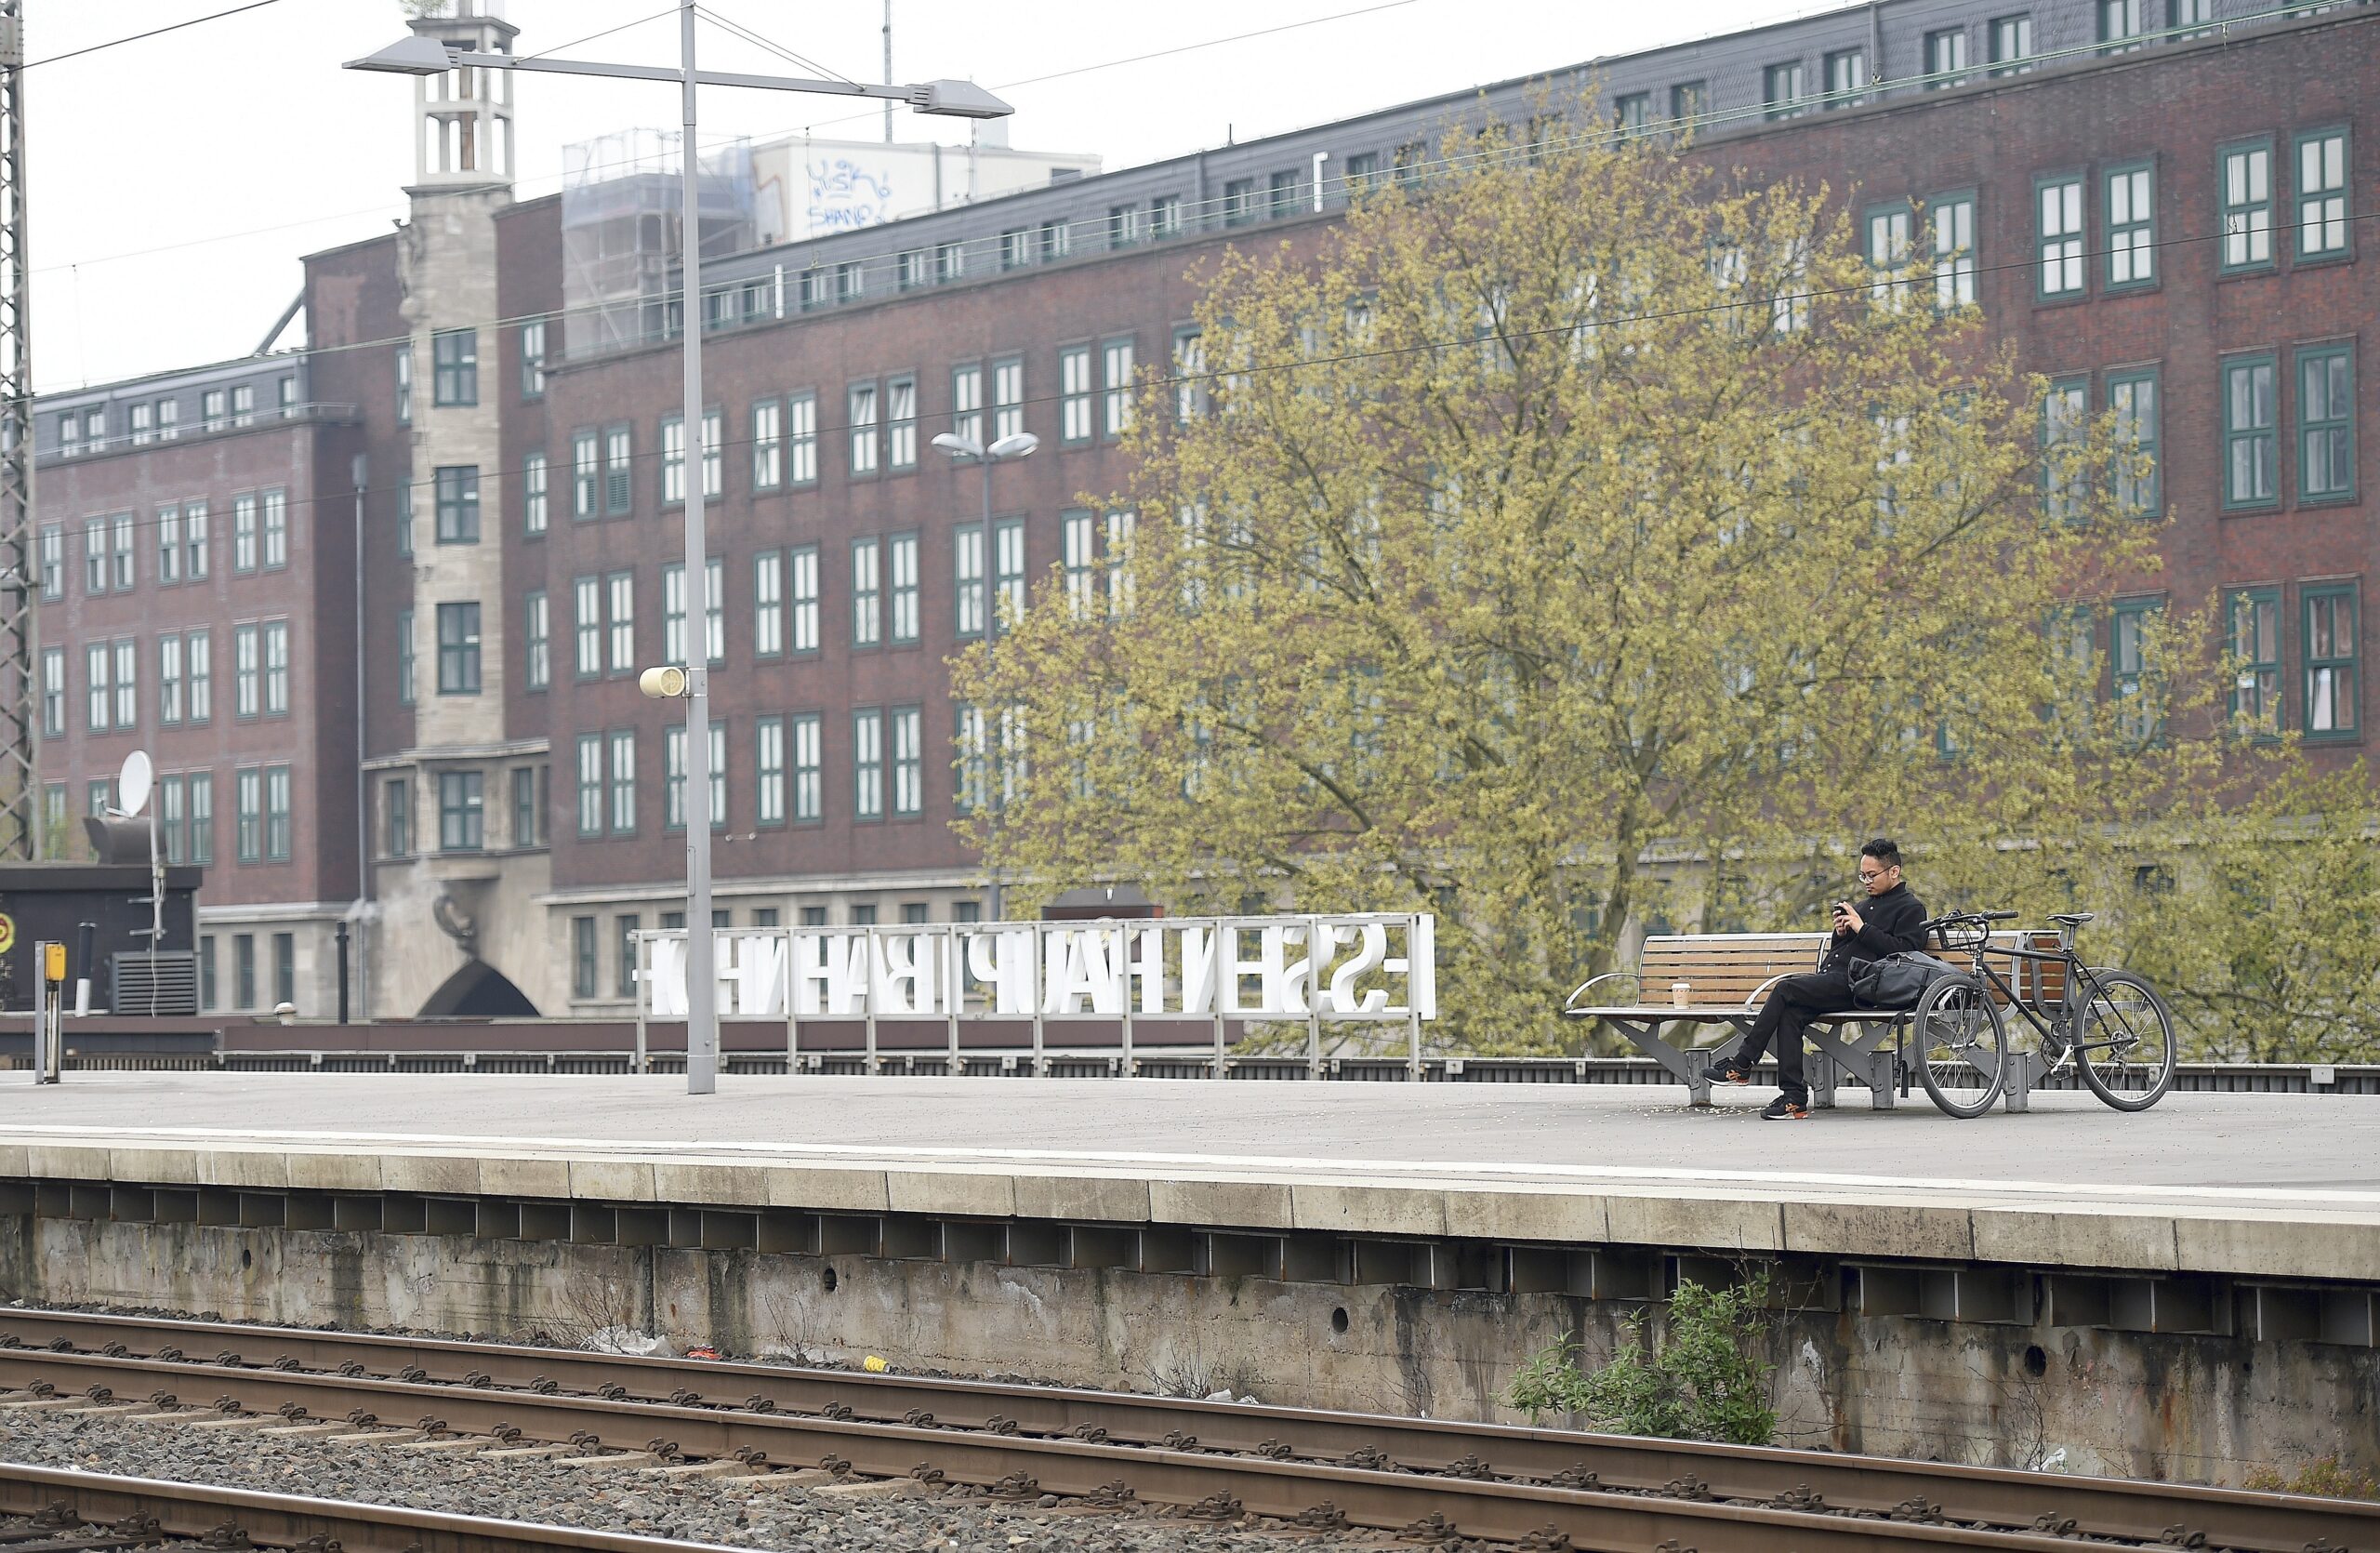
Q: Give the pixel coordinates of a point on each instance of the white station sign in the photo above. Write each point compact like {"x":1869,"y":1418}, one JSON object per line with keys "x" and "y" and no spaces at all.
{"x":1363,"y":967}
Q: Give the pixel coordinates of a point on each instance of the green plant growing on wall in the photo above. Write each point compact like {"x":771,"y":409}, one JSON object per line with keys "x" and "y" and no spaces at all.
{"x":1701,"y":1377}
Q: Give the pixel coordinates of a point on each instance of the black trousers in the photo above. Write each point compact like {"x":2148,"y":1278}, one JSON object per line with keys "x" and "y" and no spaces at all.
{"x":1784,"y":1019}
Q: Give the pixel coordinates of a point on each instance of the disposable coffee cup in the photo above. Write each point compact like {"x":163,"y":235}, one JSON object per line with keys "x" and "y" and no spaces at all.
{"x":1678,"y":989}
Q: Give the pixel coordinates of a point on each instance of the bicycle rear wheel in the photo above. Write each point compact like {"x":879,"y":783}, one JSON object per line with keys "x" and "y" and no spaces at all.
{"x":2124,"y":1042}
{"x":1961,"y":1048}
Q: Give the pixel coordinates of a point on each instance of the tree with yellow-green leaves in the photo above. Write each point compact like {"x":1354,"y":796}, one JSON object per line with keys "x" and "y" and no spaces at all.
{"x":1573,"y":541}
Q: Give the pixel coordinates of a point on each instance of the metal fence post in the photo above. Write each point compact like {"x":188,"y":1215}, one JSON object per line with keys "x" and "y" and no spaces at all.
{"x":792,"y":1029}
{"x":1039,"y":1060}
{"x":1124,"y":937}
{"x":643,"y":991}
{"x":954,"y":994}
{"x":867,"y":991}
{"x":1313,"y":1000}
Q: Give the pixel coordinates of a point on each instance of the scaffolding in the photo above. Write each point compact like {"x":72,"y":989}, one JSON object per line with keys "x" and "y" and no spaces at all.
{"x":620,"y":233}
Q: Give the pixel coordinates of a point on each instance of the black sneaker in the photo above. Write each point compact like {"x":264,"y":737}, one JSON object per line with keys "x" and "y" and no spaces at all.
{"x":1782,"y":1109}
{"x":1728,"y":1071}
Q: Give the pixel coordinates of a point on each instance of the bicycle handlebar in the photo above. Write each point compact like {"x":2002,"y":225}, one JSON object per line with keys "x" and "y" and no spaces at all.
{"x":1958,"y":918}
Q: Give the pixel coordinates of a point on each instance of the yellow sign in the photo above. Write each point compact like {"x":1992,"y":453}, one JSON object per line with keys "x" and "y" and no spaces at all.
{"x":8,"y":933}
{"x":53,"y":963}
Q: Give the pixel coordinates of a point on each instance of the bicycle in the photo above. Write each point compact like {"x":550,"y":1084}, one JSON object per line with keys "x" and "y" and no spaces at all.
{"x":2110,"y":1023}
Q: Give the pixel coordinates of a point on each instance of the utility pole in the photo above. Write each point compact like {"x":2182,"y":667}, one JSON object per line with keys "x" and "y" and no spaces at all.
{"x":20,"y":791}
{"x":888,"y":69}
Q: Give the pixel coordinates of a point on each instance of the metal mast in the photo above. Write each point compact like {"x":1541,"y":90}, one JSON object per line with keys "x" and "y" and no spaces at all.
{"x":19,"y":818}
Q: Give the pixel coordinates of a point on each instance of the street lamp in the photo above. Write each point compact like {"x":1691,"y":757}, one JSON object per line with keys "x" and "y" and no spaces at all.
{"x":425,"y":56}
{"x":1016,"y":445}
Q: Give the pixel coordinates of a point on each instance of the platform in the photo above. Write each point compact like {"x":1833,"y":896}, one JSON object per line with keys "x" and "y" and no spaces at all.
{"x":2267,"y":1186}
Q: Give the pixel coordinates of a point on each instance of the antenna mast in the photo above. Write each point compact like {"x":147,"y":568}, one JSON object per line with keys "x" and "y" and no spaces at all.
{"x":19,"y":833}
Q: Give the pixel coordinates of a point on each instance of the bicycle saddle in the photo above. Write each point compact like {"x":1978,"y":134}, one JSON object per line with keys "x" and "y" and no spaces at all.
{"x":2073,"y":919}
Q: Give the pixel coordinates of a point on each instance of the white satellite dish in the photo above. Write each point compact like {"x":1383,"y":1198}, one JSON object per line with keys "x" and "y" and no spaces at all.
{"x":132,"y":784}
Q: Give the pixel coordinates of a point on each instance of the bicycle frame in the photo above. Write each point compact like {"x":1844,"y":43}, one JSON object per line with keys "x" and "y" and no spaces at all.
{"x":2061,"y":1026}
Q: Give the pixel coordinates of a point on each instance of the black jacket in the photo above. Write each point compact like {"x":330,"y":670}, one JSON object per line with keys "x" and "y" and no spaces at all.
{"x":1889,"y":924}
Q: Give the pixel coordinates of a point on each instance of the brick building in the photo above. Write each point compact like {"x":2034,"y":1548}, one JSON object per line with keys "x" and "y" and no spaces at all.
{"x":2160,"y":202}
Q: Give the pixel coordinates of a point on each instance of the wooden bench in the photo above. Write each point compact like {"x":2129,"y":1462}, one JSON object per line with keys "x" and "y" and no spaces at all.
{"x":1729,"y":978}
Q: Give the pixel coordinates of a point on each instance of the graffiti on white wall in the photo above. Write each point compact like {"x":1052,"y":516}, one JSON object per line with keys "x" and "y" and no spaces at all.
{"x":844,"y":195}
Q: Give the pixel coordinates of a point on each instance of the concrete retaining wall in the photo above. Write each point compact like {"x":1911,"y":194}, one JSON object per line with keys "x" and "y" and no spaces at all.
{"x":2011,"y":1389}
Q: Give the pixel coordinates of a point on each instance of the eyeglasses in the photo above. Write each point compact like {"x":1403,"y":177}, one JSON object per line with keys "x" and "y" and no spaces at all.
{"x":1867,"y":878}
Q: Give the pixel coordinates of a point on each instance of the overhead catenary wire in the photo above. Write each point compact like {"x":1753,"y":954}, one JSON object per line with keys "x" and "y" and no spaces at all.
{"x":154,"y":32}
{"x":1155,"y":382}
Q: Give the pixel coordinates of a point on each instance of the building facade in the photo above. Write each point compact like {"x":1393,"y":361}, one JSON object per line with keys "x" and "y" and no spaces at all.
{"x":2160,"y":203}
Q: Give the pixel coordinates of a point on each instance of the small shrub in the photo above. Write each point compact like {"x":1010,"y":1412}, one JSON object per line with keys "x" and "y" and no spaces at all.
{"x":1704,"y":1379}
{"x":2326,"y":1476}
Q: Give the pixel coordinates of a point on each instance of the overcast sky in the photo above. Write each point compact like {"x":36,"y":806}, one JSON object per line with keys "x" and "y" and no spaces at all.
{"x":175,"y":180}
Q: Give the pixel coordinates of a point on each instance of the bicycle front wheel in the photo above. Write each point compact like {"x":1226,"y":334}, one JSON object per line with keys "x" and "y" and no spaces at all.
{"x":1961,"y":1047}
{"x":2124,"y":1042}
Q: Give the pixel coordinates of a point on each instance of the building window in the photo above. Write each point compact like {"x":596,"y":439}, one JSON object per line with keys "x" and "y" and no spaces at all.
{"x":457,"y":488}
{"x":966,"y":741}
{"x":619,"y":589}
{"x":2192,"y":14}
{"x":1008,"y":398}
{"x":1076,"y":537}
{"x":619,"y":470}
{"x":2132,"y":226}
{"x":949,"y":261}
{"x":590,"y":785}
{"x":169,"y":415}
{"x":1363,"y":173}
{"x":801,"y":592}
{"x":459,"y":649}
{"x":69,"y":435}
{"x":2131,"y":627}
{"x":1123,"y":225}
{"x":2254,"y":621}
{"x":1781,"y":91}
{"x":2247,"y":206}
{"x":813,"y":289}
{"x":1630,"y":111}
{"x":53,"y":562}
{"x":623,"y":781}
{"x":863,"y":430}
{"x":768,"y":604}
{"x":1118,"y":548}
{"x":95,"y":556}
{"x":901,"y":555}
{"x":768,"y":762}
{"x":53,"y":692}
{"x":1891,"y":247}
{"x":673,"y":460}
{"x":623,"y":931}
{"x":211,"y":414}
{"x":140,"y":424}
{"x":127,"y":684}
{"x":533,"y":494}
{"x":867,"y":764}
{"x":1946,"y":58}
{"x":276,"y":667}
{"x":1239,"y":202}
{"x":586,"y":475}
{"x":967,"y":402}
{"x":285,"y":968}
{"x":673,"y":776}
{"x":1283,"y":188}
{"x":2065,"y":412}
{"x":910,"y":268}
{"x":2122,"y":24}
{"x":1074,"y":394}
{"x":1016,"y":248}
{"x":908,"y":763}
{"x":1951,"y":218}
{"x":2251,"y":457}
{"x":247,"y":669}
{"x":405,"y":657}
{"x":1116,"y":402}
{"x":197,"y":655}
{"x":2133,"y":397}
{"x":581,"y":957}
{"x":1688,"y":102}
{"x":1846,"y":78}
{"x":244,"y":534}
{"x":462,"y":822}
{"x":850,"y":281}
{"x":901,"y":423}
{"x":714,"y":470}
{"x":528,"y":811}
{"x":768,"y":445}
{"x":194,"y":547}
{"x":533,"y":359}
{"x":2321,"y":194}
{"x":2333,"y":701}
{"x":586,"y":625}
{"x":243,"y":970}
{"x":1165,"y":216}
{"x":802,"y":439}
{"x":536,"y":637}
{"x":2058,"y":241}
{"x":1057,"y":240}
{"x":248,"y":826}
{"x":1008,"y":569}
{"x":673,"y":612}
{"x":454,"y":367}
{"x":2326,"y":424}
{"x":867,"y":597}
{"x":126,"y":568}
{"x":967,"y":583}
{"x":2011,"y":45}
{"x":808,"y":758}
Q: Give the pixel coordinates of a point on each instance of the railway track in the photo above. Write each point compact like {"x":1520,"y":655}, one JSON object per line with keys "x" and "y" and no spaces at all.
{"x":47,"y":1509}
{"x":1426,"y":1478}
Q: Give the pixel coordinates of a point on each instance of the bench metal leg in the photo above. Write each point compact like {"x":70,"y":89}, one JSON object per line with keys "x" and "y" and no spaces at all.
{"x":1697,"y":1075}
{"x":1817,"y":1068}
{"x":2018,"y":1095}
{"x":1881,"y":1096}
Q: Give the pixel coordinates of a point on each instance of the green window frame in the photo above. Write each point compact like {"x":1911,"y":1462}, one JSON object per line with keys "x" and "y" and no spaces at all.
{"x":2252,"y":620}
{"x":2058,"y":220}
{"x":1951,"y":236}
{"x":2322,"y":175}
{"x":2332,"y":702}
{"x":2066,"y":413}
{"x":581,"y":957}
{"x":2251,"y":431}
{"x":590,"y":785}
{"x":2131,"y":676}
{"x":2243,"y":186}
{"x":2325,"y":381}
{"x":2131,"y":203}
{"x":867,"y":764}
{"x":2136,"y":397}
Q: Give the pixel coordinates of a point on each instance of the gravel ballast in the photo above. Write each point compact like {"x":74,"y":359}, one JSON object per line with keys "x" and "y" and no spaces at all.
{"x":698,"y":1510}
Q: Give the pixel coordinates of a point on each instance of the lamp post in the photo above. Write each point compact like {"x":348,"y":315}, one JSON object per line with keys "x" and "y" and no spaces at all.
{"x":1016,"y":445}
{"x":425,"y":56}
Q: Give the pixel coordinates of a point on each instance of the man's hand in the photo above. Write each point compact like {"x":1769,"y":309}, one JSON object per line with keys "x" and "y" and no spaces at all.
{"x":1851,"y":921}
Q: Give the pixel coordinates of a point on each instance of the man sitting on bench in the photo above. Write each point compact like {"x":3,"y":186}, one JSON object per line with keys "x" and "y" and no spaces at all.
{"x":1887,"y":922}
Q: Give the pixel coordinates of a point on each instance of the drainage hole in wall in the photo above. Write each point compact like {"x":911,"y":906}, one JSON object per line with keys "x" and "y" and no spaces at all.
{"x":830,"y":1281}
{"x":1339,"y":1318}
{"x":2036,"y":1361}
{"x":248,"y":1259}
